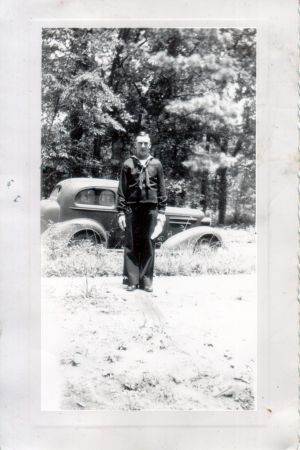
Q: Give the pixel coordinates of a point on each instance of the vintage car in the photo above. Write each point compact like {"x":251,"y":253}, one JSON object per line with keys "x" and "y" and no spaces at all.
{"x":85,"y":208}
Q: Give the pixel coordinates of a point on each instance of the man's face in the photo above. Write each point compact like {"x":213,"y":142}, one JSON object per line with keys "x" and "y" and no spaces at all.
{"x":142,"y":147}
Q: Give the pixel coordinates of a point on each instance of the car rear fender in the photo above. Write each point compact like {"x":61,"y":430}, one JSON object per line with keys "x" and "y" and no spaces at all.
{"x":191,"y":237}
{"x":50,"y":211}
{"x":68,"y":229}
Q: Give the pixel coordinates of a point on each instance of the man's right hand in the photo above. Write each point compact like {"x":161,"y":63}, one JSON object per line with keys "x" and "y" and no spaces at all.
{"x":122,"y":222}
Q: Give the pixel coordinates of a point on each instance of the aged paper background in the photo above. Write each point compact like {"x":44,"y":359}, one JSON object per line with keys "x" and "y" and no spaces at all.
{"x":275,"y":423}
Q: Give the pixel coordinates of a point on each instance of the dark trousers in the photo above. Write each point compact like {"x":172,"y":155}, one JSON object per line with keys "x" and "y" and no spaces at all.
{"x":139,"y":248}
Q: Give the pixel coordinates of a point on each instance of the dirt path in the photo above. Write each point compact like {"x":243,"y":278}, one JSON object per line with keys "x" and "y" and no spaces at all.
{"x":189,"y":346}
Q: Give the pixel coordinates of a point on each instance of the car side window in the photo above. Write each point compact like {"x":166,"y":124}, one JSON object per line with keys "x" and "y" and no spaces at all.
{"x":106,"y":198}
{"x":86,"y":197}
{"x":96,"y":197}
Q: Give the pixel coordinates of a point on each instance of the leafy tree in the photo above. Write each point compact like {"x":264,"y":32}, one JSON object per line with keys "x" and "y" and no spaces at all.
{"x":193,"y":89}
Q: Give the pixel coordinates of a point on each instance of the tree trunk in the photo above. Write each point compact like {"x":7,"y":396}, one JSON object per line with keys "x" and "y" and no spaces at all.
{"x":124,"y":34}
{"x":222,"y":172}
{"x":204,"y":191}
{"x":222,"y":195}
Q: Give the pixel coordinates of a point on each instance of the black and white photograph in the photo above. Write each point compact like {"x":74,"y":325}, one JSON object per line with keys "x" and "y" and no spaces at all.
{"x":148,"y":219}
{"x":150,"y":224}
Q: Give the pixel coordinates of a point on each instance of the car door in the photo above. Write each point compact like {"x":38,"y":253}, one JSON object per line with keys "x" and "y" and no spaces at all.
{"x":99,"y":204}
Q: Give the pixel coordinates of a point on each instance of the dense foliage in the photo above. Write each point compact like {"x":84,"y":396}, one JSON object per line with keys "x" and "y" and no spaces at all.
{"x":192,"y":89}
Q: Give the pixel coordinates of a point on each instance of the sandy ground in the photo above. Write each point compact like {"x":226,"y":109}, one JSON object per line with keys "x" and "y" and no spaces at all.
{"x":190,"y":345}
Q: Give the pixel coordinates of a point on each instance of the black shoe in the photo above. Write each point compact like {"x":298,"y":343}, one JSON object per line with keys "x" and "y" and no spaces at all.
{"x":125,"y":281}
{"x":148,"y":289}
{"x":131,"y":287}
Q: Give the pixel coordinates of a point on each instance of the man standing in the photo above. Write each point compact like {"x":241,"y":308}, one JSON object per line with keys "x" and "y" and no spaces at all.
{"x":141,"y":204}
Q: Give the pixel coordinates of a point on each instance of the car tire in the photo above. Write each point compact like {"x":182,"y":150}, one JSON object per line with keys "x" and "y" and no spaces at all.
{"x":87,"y":236}
{"x":207,"y":241}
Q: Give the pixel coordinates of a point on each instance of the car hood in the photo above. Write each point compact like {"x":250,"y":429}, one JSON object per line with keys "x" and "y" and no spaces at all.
{"x":178,"y":211}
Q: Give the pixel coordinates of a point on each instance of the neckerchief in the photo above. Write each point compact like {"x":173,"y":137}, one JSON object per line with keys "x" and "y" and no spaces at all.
{"x":144,"y":175}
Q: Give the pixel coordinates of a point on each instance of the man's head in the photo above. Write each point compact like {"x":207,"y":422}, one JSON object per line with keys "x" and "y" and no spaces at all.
{"x":142,"y":145}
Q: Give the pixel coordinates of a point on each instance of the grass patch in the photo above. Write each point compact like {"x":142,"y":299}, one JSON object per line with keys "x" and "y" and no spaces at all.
{"x":86,"y":259}
{"x":82,"y":260}
{"x":221,"y":261}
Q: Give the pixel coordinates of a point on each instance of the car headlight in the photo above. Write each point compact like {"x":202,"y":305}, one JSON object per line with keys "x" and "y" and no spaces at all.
{"x":206,"y":221}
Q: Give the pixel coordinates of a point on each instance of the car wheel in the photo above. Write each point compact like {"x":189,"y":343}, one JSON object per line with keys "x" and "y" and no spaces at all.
{"x":86,"y":236}
{"x":207,"y":241}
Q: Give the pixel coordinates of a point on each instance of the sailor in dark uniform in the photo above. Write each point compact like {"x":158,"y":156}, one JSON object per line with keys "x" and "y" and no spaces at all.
{"x":141,"y":204}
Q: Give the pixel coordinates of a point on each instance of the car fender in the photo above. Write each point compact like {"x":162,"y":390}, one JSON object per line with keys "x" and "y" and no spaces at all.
{"x":67,"y":229}
{"x":190,"y":237}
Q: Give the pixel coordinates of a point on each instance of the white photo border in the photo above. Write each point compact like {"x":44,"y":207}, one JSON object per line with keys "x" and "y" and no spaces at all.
{"x":275,"y":422}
